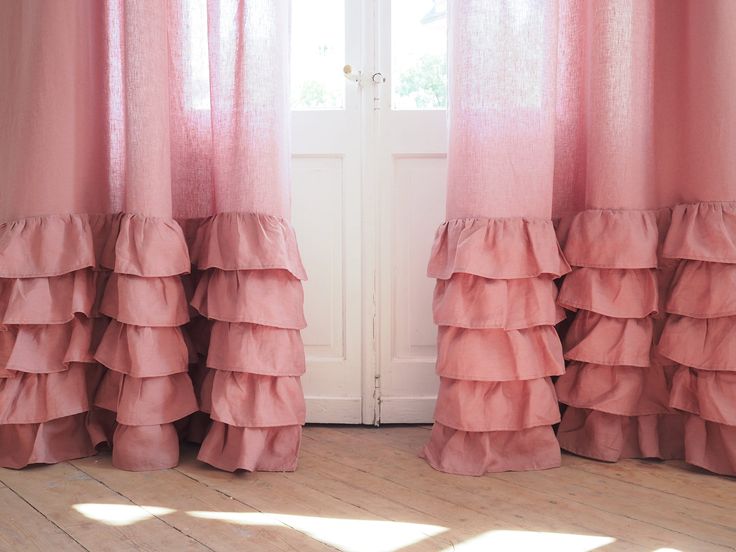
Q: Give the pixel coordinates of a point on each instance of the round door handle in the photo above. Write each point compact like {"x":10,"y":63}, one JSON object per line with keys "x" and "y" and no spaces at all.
{"x":361,"y":79}
{"x":378,"y":78}
{"x":348,"y":71}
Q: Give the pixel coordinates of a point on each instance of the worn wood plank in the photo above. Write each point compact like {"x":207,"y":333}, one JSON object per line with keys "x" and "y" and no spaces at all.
{"x":707,"y":511}
{"x":301,"y":506}
{"x":672,"y":477}
{"x":537,"y":496}
{"x":342,"y":483}
{"x":185,"y":497}
{"x":414,"y":503}
{"x":355,"y":485}
{"x":60,"y":491}
{"x":501,"y":508}
{"x":23,"y":528}
{"x":708,"y":523}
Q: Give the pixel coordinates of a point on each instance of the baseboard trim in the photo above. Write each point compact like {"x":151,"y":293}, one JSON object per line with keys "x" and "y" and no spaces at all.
{"x":407,"y":410}
{"x":334,"y":410}
{"x":348,"y":410}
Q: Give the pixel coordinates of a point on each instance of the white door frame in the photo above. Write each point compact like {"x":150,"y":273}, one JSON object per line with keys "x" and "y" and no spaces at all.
{"x":411,"y":162}
{"x":327,"y":211}
{"x":370,"y":219}
{"x":371,"y":352}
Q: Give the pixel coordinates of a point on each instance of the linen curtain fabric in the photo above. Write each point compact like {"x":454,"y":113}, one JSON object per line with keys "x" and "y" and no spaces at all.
{"x":150,"y":280}
{"x":608,"y":127}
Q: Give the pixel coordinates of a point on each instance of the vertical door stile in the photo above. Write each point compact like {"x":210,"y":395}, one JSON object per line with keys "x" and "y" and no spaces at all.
{"x":369,"y":168}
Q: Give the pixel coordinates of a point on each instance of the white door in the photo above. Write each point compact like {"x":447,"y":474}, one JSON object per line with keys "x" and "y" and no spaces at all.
{"x":368,"y":185}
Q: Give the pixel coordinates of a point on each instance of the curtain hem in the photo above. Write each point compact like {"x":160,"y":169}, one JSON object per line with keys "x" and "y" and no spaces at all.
{"x":97,"y":346}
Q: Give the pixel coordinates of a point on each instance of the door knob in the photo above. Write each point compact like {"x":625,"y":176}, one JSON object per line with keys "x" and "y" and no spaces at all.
{"x":355,"y":77}
{"x":360,"y":78}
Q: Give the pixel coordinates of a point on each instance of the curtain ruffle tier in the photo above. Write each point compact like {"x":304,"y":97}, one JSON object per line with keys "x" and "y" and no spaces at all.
{"x":700,"y":331}
{"x":249,"y":289}
{"x":92,"y":347}
{"x":616,"y":388}
{"x":652,"y":345}
{"x":494,"y":303}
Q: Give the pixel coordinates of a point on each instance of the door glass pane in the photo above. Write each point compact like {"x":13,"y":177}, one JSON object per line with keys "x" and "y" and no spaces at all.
{"x":419,"y":54}
{"x":317,"y":54}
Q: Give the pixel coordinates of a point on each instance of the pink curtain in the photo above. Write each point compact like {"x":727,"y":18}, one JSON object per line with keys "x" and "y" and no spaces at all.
{"x":615,"y":121}
{"x":149,"y":278}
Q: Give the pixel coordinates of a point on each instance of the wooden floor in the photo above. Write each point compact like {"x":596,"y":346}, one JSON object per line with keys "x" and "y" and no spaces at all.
{"x":365,"y":489}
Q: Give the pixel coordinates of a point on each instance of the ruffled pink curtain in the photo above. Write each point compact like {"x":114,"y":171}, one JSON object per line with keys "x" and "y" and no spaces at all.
{"x":608,"y":127}
{"x":149,"y":278}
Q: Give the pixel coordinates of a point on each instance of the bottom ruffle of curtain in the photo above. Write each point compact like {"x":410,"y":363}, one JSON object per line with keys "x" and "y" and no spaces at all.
{"x":251,"y":355}
{"x":700,"y":331}
{"x":47,"y":382}
{"x":91,"y":343}
{"x":494,"y":303}
{"x":652,"y":344}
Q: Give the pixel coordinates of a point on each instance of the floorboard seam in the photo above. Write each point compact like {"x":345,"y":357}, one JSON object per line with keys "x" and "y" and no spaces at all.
{"x":143,"y":508}
{"x":51,"y":521}
{"x":452,"y":504}
{"x":632,"y":518}
{"x":236,"y":499}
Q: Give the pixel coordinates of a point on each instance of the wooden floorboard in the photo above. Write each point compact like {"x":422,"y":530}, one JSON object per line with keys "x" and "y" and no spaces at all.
{"x":365,"y":489}
{"x":66,"y":496}
{"x":24,"y":528}
{"x":183,"y":495}
{"x":507,"y":498}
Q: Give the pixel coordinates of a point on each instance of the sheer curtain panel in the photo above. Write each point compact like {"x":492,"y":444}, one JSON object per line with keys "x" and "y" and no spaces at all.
{"x":608,"y":127}
{"x":150,"y":282}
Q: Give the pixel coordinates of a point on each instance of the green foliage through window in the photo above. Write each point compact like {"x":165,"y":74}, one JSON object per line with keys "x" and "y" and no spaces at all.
{"x":314,"y":94}
{"x":426,"y":82}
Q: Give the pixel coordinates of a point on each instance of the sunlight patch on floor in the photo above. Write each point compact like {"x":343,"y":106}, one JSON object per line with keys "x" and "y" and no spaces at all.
{"x":120,"y":514}
{"x":360,"y":535}
{"x":531,"y":541}
{"x":350,"y":535}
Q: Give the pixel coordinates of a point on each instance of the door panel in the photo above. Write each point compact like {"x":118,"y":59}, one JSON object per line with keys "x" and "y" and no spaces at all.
{"x":408,"y":384}
{"x":326,"y":212}
{"x":369,"y":193}
{"x":332,"y":382}
{"x":412,"y":156}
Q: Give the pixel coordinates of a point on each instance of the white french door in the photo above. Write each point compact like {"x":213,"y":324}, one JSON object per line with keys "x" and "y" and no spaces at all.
{"x":368,"y":185}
